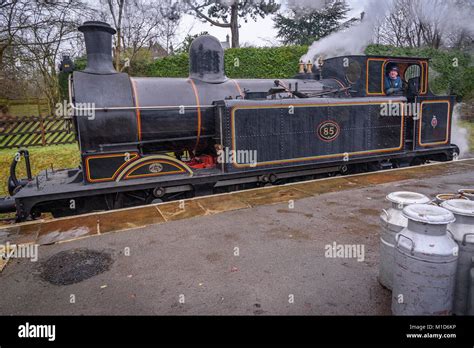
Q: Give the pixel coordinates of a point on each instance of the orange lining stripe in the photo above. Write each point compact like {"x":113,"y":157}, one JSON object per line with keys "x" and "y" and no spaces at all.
{"x":367,"y":76}
{"x":237,"y":165}
{"x":134,"y":154}
{"x":129,"y":174}
{"x":198,"y":111}
{"x":238,"y":88}
{"x":340,"y":84}
{"x":448,"y":123}
{"x":424,"y":69}
{"x":137,"y":112}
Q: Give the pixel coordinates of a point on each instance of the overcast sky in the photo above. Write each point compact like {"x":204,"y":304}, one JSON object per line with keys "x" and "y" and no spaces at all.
{"x":259,"y":33}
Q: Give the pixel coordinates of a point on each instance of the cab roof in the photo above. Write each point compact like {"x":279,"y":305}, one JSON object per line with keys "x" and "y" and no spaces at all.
{"x":378,"y":56}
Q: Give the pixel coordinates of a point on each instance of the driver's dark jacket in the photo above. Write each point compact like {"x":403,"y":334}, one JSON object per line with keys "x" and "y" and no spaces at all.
{"x":396,"y":84}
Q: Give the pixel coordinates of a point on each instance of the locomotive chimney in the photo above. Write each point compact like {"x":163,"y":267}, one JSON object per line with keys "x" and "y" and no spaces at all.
{"x":98,"y":38}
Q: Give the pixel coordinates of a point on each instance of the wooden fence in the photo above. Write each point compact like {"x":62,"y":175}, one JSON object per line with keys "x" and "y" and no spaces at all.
{"x":35,"y":131}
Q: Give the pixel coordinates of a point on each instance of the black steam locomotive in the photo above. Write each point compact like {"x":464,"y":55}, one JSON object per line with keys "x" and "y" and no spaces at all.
{"x":146,"y":140}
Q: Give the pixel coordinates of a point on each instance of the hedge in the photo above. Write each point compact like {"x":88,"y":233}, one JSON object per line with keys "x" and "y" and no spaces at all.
{"x":246,"y":62}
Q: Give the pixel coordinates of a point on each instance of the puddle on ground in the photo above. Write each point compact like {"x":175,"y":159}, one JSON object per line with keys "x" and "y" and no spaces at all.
{"x":74,"y":266}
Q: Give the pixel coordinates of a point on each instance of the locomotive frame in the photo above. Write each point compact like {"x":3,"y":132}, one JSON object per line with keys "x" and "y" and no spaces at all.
{"x":325,"y":121}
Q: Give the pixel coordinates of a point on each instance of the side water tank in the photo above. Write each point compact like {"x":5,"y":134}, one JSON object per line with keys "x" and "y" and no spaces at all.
{"x":425,"y":263}
{"x":393,"y":221}
{"x":463,"y":232}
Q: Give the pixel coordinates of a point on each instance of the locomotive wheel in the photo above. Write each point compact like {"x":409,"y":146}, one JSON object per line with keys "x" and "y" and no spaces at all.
{"x":35,"y":214}
{"x":131,"y":199}
{"x":159,"y":192}
{"x":353,"y":169}
{"x":374,"y":166}
{"x":417,"y":161}
{"x":344,"y":170}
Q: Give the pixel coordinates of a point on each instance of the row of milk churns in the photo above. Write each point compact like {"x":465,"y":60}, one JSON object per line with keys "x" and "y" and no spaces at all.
{"x":427,"y":254}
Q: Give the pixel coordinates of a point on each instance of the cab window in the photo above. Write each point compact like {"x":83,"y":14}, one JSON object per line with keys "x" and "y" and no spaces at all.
{"x":410,"y":75}
{"x":411,"y":72}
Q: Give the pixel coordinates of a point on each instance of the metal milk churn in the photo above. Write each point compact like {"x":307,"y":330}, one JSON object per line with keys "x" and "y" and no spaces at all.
{"x":443,"y":197}
{"x":470,"y":305}
{"x":463,"y":232}
{"x":468,"y":193}
{"x":393,"y":221}
{"x":425,"y":263}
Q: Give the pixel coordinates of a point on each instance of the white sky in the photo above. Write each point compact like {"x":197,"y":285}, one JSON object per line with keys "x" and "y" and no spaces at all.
{"x":259,"y":33}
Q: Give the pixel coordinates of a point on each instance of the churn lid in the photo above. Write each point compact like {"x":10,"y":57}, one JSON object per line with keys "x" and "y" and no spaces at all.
{"x":459,"y":206}
{"x":429,"y":214}
{"x":467,"y":192}
{"x":406,"y":198}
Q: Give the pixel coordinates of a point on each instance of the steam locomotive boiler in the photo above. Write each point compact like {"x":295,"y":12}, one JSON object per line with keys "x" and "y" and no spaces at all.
{"x":149,"y":139}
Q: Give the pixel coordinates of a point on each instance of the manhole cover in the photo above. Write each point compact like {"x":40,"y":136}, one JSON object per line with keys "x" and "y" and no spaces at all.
{"x":74,"y":266}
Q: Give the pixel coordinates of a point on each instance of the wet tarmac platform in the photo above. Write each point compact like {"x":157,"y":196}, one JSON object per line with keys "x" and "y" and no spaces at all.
{"x":262,"y":251}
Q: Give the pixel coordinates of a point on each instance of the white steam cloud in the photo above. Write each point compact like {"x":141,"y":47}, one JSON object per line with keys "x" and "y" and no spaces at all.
{"x":448,"y":18}
{"x":459,"y":135}
{"x":352,"y":40}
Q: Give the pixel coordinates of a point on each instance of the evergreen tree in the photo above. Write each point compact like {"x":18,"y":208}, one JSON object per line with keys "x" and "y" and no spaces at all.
{"x":186,"y":44}
{"x":303,"y":26}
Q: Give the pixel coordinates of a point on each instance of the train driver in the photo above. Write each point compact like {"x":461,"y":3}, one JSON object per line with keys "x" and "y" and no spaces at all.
{"x":393,"y":82}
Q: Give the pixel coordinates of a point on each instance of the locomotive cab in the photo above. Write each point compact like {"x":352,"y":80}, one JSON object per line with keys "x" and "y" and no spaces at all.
{"x":428,"y":116}
{"x":367,"y":74}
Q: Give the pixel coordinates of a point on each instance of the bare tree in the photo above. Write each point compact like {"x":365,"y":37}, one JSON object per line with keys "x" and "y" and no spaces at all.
{"x":116,"y":8}
{"x":432,"y":23}
{"x":226,"y":14}
{"x":34,"y":35}
{"x":148,"y":21}
{"x":138,"y":22}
